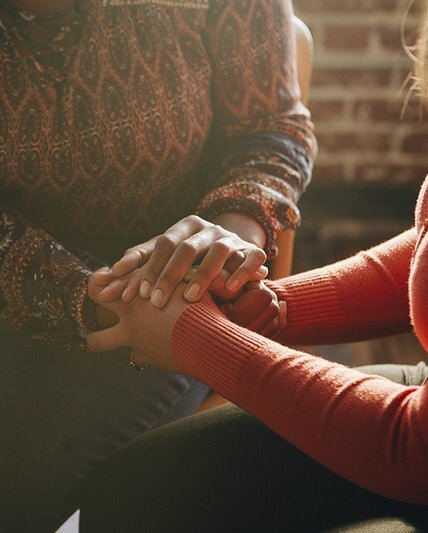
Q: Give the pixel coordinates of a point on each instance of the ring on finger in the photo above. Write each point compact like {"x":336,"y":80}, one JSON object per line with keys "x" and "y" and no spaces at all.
{"x":140,"y":258}
{"x":139,"y":367}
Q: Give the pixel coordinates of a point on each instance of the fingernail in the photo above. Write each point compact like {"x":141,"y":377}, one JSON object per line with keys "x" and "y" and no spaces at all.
{"x":232,"y":285}
{"x":262,"y":271}
{"x":282,"y":313}
{"x":192,"y":292}
{"x":145,"y":289}
{"x":125,"y":296}
{"x":157,"y":298}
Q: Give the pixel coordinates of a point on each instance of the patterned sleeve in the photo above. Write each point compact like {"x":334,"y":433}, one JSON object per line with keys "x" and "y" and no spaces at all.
{"x":262,"y":129}
{"x":43,"y":287}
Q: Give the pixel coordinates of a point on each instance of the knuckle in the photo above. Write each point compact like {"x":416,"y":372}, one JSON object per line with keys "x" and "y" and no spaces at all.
{"x":131,"y":250}
{"x":259,"y":255}
{"x":195,"y":220}
{"x":221,"y":248}
{"x":245,"y":271}
{"x":187,"y":248}
{"x":220,"y":230}
{"x":165,"y":243}
{"x":265,"y":297}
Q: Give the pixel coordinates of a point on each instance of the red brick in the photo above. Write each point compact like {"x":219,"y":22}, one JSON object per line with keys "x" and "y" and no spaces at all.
{"x":326,"y":110}
{"x":340,"y":141}
{"x":379,"y":172}
{"x":366,"y":6}
{"x":328,"y":172}
{"x":389,"y":36}
{"x":350,"y":77}
{"x":346,"y":37}
{"x":386,"y":111}
{"x":416,"y":143}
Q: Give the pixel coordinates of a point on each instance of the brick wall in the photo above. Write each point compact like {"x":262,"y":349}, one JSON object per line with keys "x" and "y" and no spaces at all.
{"x":359,"y":68}
{"x":371,"y":161}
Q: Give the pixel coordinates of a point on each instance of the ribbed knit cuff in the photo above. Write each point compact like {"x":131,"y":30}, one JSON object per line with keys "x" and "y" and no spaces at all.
{"x":206,"y":345}
{"x":314,"y":310}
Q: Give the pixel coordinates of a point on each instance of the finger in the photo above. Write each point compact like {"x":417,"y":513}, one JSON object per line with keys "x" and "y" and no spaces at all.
{"x":184,"y":256}
{"x":103,"y":276}
{"x":138,"y":256}
{"x":163,"y":250}
{"x":282,"y":318}
{"x":210,"y":267}
{"x":254,"y":285}
{"x":255,"y":258}
{"x":133,"y":287}
{"x":106,"y":339}
{"x":260,"y":274}
{"x":133,"y":258}
{"x":190,"y":274}
{"x":249,"y":306}
{"x":217,"y":286}
{"x":265,"y":318}
{"x":94,"y":289}
{"x":113,"y":291}
{"x":236,"y":260}
{"x":179,"y":265}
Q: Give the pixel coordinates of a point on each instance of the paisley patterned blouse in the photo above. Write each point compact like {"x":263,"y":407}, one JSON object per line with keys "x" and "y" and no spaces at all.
{"x":119,"y":117}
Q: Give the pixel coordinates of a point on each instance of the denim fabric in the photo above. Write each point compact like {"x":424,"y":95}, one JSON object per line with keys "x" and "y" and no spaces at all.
{"x":61,"y":413}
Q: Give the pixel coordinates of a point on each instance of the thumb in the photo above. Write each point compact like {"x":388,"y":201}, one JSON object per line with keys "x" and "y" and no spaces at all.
{"x":106,"y":340}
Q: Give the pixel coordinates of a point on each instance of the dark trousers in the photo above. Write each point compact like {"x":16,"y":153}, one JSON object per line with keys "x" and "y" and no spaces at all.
{"x":223,"y":471}
{"x":62,"y":413}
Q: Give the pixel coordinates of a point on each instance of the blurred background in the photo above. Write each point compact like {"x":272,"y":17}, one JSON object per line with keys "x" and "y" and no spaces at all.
{"x":373,"y":150}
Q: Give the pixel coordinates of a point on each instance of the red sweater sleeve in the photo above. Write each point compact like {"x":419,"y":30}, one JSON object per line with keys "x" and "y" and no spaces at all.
{"x":362,"y":297}
{"x":365,"y":428}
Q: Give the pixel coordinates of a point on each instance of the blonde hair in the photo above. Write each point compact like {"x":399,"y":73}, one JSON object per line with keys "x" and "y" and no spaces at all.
{"x":421,"y":63}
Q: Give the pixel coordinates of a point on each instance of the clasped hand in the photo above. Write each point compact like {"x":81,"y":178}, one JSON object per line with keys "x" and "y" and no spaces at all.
{"x":155,"y":268}
{"x":229,"y":267}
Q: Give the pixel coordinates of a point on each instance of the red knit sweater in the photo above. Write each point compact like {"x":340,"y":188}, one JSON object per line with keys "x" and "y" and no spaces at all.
{"x":365,"y":428}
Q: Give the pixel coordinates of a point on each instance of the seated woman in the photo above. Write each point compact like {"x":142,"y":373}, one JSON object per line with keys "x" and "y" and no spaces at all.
{"x":348,"y":450}
{"x":117,"y":119}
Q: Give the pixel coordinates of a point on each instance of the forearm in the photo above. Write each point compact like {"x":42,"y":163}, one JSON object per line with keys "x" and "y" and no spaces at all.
{"x":43,"y":286}
{"x":265,"y":151}
{"x":367,"y":429}
{"x":359,"y":298}
{"x":244,"y":226}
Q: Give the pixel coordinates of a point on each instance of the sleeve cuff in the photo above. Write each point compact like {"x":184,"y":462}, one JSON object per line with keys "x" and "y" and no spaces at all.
{"x":232,"y":349}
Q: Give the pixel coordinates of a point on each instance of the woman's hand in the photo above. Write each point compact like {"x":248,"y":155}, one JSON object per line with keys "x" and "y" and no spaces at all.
{"x":141,"y":327}
{"x":154,"y":269}
{"x":257,"y":308}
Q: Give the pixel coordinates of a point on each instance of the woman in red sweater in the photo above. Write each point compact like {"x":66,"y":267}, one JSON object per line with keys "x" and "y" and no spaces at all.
{"x":348,"y":450}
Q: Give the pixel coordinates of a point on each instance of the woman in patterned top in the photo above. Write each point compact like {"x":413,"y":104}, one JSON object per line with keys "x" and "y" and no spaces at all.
{"x":117,"y":119}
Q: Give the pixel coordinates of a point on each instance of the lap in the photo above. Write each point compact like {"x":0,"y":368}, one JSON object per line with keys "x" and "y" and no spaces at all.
{"x":64,"y":412}
{"x":225,"y":471}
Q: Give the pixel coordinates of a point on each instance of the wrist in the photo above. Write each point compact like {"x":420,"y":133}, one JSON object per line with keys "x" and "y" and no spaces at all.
{"x":104,"y":318}
{"x":244,"y":226}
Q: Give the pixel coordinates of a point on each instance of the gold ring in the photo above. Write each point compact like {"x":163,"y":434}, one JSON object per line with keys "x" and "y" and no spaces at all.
{"x":141,"y":258}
